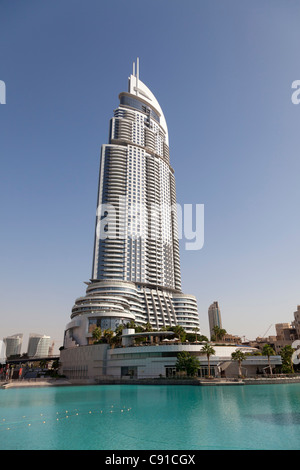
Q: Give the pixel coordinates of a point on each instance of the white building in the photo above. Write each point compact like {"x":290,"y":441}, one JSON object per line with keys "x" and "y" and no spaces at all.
{"x":13,"y":344}
{"x":136,"y":265}
{"x":100,"y":361}
{"x":38,"y":345}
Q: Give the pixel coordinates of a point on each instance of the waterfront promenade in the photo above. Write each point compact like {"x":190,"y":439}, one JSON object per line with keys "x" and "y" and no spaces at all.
{"x":34,"y":383}
{"x":52,"y":382}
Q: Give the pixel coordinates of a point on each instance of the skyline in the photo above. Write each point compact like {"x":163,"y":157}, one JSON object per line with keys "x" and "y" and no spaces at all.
{"x":225,"y":87}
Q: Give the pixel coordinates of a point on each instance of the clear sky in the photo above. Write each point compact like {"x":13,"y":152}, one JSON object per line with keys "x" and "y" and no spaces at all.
{"x":222,"y":71}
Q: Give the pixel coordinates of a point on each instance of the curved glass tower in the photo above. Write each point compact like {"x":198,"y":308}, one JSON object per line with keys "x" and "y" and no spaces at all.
{"x":136,"y":264}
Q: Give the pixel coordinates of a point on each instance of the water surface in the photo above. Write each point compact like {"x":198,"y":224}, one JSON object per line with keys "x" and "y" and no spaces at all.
{"x":145,"y":417}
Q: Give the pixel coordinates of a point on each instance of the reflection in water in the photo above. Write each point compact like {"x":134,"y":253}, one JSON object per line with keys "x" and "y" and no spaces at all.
{"x":290,"y":419}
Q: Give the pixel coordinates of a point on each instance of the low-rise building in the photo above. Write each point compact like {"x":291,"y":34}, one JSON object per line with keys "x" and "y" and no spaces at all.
{"x":100,"y":361}
{"x":232,"y":339}
{"x":296,"y":322}
{"x":285,"y":336}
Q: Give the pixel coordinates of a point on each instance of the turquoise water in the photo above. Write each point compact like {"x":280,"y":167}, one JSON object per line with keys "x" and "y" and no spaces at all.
{"x":151,"y":417}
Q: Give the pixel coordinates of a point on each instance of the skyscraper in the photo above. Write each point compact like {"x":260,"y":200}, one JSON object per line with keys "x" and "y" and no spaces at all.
{"x":13,"y":344}
{"x":214,"y":317}
{"x":136,"y":264}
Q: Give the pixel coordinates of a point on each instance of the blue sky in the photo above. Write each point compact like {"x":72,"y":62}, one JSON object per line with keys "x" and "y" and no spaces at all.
{"x":222,"y":72}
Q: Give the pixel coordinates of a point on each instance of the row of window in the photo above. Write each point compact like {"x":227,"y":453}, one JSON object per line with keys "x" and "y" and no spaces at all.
{"x":136,"y":104}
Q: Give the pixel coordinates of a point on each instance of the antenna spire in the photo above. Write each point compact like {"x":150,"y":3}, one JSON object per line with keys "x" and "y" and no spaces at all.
{"x":137,"y":73}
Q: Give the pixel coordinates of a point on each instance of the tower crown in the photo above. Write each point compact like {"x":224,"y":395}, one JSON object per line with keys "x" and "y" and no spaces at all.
{"x":138,"y":88}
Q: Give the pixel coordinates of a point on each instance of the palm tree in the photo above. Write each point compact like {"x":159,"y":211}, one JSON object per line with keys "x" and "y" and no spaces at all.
{"x":287,"y":363}
{"x":134,"y":326}
{"x":209,"y":351}
{"x":116,"y":340}
{"x":108,"y":335}
{"x":219,"y":333}
{"x":97,"y":333}
{"x":195,"y":330}
{"x":239,"y":356}
{"x":268,"y":351}
{"x":222,"y":333}
{"x":179,"y":331}
{"x":216,"y":330}
{"x":148,"y":327}
{"x":119,"y":329}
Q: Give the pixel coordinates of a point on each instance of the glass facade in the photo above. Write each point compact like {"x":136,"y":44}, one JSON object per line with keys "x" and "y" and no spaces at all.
{"x":139,"y":105}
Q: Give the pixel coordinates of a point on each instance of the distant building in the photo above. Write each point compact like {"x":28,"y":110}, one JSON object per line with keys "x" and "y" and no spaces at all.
{"x":214,"y":317}
{"x":13,"y":344}
{"x":285,"y":336}
{"x":38,"y":345}
{"x":231,"y":339}
{"x":2,"y":353}
{"x":296,"y":322}
{"x":51,"y":349}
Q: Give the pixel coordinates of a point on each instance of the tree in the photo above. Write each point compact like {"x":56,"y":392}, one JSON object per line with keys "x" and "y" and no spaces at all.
{"x":55,"y":364}
{"x":43,"y":363}
{"x":187,"y":362}
{"x":222,"y":333}
{"x":239,"y":356}
{"x":179,"y":332}
{"x":268,"y":351}
{"x":256,"y":353}
{"x":209,"y":351}
{"x":108,"y":335}
{"x":116,"y":340}
{"x":132,"y":325}
{"x":54,"y":369}
{"x":195,"y":330}
{"x":119,"y":329}
{"x":219,"y":333}
{"x":287,"y":363}
{"x":203,"y":339}
{"x":148,"y":327}
{"x":97,"y":334}
{"x":139,"y":329}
